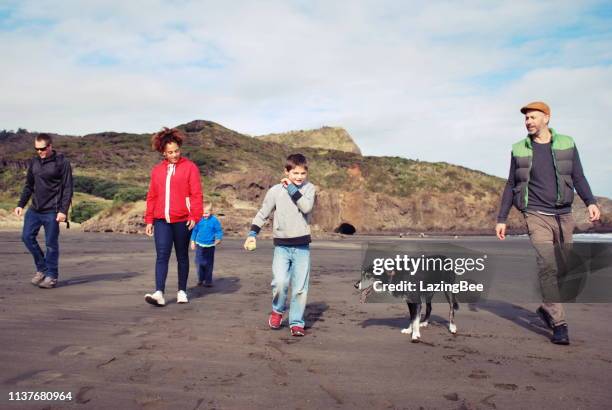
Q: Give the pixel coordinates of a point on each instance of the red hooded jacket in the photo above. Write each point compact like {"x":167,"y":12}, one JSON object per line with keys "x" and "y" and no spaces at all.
{"x":175,"y":193}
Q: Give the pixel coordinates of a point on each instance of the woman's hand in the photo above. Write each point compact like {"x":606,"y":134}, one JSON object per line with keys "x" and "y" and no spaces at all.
{"x":149,"y":230}
{"x":190,"y":225}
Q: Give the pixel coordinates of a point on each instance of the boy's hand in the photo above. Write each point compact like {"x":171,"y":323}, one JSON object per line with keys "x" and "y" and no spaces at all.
{"x":285,"y":182}
{"x":250,"y":244}
{"x":192,"y":245}
{"x":217,"y":242}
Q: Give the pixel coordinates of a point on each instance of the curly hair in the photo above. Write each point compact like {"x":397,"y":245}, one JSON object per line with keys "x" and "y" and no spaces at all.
{"x":167,"y":135}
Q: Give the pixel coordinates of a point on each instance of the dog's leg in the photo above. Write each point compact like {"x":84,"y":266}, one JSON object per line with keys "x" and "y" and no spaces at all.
{"x":415,"y":319}
{"x":411,"y":310}
{"x":451,"y":315}
{"x":425,"y":319}
{"x":416,"y":325}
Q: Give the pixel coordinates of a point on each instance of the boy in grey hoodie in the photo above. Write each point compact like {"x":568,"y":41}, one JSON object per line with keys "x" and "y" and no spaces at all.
{"x":292,"y":201}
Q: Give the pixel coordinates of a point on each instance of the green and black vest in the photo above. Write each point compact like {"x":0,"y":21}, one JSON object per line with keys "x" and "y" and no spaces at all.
{"x":563,"y":153}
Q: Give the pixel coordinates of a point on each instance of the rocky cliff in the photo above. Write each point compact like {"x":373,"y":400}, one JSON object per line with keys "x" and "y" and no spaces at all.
{"x":332,"y":138}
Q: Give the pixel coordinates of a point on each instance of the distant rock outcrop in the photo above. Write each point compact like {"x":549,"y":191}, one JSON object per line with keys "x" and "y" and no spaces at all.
{"x":332,"y":138}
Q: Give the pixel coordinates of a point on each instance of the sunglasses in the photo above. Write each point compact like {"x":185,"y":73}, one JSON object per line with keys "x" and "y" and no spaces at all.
{"x":41,"y":149}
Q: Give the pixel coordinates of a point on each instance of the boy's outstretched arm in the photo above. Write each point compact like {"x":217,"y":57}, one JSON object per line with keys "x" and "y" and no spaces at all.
{"x":305,"y":202}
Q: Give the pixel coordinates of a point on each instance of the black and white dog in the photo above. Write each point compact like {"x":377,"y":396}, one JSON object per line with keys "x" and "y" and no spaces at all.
{"x":428,"y":284}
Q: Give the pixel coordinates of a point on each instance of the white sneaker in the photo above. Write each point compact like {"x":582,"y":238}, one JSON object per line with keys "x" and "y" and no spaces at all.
{"x":181,"y":297}
{"x":156,"y":299}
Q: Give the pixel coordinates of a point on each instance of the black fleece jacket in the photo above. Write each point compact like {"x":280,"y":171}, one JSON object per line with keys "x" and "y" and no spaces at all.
{"x":49,"y":184}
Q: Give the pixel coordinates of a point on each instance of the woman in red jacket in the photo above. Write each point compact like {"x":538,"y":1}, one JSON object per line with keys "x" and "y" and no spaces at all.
{"x":174,"y":206}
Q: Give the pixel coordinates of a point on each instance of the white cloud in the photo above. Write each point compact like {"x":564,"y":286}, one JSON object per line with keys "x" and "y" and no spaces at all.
{"x":439,"y":81}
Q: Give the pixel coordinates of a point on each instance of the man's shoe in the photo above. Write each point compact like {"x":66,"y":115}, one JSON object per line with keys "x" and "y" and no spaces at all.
{"x":297,"y":331}
{"x":48,"y":283}
{"x":181,"y":297}
{"x":156,"y":299}
{"x":39,"y":277}
{"x":274,"y":320}
{"x":546,"y":318}
{"x":560,"y":335}
{"x":208,"y":284}
{"x":200,"y":283}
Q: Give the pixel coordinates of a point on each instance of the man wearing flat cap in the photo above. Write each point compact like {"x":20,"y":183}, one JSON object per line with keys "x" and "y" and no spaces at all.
{"x":544,"y":171}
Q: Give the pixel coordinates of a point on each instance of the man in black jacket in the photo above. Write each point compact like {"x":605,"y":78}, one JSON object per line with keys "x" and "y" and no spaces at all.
{"x":49,"y":184}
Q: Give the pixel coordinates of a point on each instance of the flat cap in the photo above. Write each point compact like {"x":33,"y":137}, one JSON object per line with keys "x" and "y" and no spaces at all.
{"x":536,"y":105}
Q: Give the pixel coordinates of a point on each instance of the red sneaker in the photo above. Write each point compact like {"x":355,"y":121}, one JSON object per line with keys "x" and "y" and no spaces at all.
{"x":274,"y":320}
{"x":297,"y":331}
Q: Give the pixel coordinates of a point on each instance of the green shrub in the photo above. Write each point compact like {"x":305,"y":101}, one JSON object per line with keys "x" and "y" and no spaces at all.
{"x":206,"y":161}
{"x":96,"y":186}
{"x":85,"y":210}
{"x":130,"y":195}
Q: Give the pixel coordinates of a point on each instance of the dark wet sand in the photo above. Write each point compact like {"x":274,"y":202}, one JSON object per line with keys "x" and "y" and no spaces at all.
{"x":94,"y":336}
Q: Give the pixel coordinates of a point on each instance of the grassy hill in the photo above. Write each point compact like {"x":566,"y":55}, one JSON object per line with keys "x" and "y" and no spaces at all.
{"x":372,"y":194}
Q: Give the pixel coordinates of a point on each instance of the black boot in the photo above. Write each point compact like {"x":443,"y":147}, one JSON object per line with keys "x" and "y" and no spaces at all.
{"x":560,"y":335}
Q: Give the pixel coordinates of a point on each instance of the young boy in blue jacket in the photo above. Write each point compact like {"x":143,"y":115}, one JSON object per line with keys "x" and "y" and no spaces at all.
{"x":207,"y":234}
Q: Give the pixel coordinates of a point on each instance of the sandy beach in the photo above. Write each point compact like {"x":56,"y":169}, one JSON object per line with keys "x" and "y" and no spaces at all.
{"x":95,"y":337}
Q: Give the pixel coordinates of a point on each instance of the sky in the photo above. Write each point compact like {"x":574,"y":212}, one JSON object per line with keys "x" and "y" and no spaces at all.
{"x":435,"y":81}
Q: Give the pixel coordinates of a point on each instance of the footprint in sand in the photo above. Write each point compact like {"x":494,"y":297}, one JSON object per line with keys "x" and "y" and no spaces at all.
{"x":82,"y":397}
{"x":39,"y":378}
{"x":451,"y":396}
{"x":149,"y":401}
{"x":506,"y":386}
{"x":478,"y":375}
{"x":123,"y":332}
{"x":69,"y":350}
{"x":487,"y":401}
{"x":453,"y":357}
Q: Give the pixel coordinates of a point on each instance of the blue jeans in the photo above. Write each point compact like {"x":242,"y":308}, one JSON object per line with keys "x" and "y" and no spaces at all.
{"x":45,"y":263}
{"x":205,"y":259}
{"x":291,"y":266}
{"x":168,"y":234}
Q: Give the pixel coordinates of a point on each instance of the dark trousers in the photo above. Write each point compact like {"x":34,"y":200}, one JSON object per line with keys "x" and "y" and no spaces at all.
{"x":205,"y":259}
{"x":168,"y":234}
{"x":45,"y":263}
